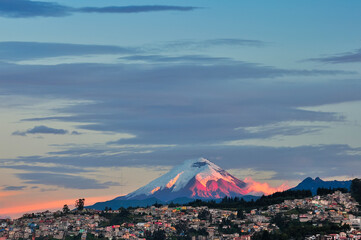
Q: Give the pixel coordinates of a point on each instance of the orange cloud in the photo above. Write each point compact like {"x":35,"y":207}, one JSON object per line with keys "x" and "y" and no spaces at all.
{"x":51,"y":205}
{"x":263,"y":188}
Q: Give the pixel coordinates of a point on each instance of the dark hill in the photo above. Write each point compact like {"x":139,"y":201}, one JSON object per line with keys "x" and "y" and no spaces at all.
{"x":314,"y":184}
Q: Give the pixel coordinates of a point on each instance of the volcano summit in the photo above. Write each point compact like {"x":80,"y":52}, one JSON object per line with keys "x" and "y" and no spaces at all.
{"x":198,"y":178}
{"x":194,"y":179}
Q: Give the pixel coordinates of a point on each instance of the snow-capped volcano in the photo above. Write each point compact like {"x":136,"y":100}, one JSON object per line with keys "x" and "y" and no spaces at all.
{"x":194,"y":179}
{"x":198,"y":178}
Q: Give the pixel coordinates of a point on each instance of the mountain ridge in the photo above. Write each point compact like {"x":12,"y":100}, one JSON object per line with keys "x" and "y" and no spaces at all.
{"x":313,"y":184}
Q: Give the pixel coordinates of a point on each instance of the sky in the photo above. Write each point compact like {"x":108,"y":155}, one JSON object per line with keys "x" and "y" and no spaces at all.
{"x":97,"y":98}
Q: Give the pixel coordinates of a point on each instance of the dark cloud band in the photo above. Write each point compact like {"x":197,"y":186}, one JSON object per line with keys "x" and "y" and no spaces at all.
{"x":15,"y":51}
{"x":64,"y":180}
{"x":350,"y":57}
{"x":28,"y":9}
{"x":134,"y":9}
{"x":42,"y":130}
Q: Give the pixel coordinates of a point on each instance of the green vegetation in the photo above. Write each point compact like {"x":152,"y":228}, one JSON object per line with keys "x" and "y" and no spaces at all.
{"x":79,"y":204}
{"x":43,"y":238}
{"x":294,"y":229}
{"x":297,"y":211}
{"x":88,"y":237}
{"x":204,"y":215}
{"x":124,"y":216}
{"x":200,"y":232}
{"x":356,"y":189}
{"x":227,"y":227}
{"x":117,"y":218}
{"x":66,"y":209}
{"x":156,"y":235}
{"x":325,"y":191}
{"x":186,"y":233}
{"x":239,"y":203}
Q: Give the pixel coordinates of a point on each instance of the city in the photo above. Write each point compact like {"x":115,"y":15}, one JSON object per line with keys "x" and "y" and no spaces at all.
{"x":187,"y":222}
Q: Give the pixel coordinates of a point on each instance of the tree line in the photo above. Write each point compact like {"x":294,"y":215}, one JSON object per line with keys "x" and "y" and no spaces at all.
{"x":264,"y":201}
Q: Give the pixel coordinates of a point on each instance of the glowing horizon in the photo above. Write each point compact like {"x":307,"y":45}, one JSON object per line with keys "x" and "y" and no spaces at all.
{"x":254,"y":187}
{"x":15,"y":212}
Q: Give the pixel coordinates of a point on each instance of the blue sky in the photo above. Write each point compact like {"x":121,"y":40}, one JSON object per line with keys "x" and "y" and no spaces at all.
{"x":94,"y":94}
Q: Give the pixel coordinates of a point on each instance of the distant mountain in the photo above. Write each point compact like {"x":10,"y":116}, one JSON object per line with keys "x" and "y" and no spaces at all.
{"x":314,"y":184}
{"x":194,"y":179}
{"x":198,"y":178}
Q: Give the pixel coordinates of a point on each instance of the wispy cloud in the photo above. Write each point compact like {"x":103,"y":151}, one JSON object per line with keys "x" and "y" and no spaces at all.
{"x":279,"y":129}
{"x":22,"y":51}
{"x":44,"y":168}
{"x":192,"y":107}
{"x":178,"y":103}
{"x":201,"y":59}
{"x":284,"y":162}
{"x":349,"y":57}
{"x":27,"y":9}
{"x":41,"y":130}
{"x":15,"y":51}
{"x":199,"y":45}
{"x":13,"y":188}
{"x":134,"y":9}
{"x":196,"y":44}
{"x":64,"y":180}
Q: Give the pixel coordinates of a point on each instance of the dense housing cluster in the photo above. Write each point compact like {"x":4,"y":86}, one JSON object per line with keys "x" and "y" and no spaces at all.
{"x":334,"y":215}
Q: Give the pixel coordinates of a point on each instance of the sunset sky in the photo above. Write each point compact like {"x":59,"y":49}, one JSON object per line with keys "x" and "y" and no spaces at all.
{"x":97,"y":98}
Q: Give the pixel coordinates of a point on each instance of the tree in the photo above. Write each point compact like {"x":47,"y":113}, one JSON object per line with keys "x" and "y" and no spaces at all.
{"x":325,"y":191}
{"x":66,"y":209}
{"x":157,"y":205}
{"x":79,"y":204}
{"x":240,"y":213}
{"x":181,"y":227}
{"x":356,"y":189}
{"x":159,"y":235}
{"x":204,"y":214}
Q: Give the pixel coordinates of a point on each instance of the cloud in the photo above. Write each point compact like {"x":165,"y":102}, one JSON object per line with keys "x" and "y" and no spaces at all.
{"x":197,"y":46}
{"x":27,"y":9}
{"x":188,"y":109}
{"x":278,"y":129}
{"x":63,"y":180}
{"x":23,"y":51}
{"x":13,"y":188}
{"x":349,"y":57}
{"x":41,"y":130}
{"x":201,"y":44}
{"x":44,"y":168}
{"x":285,"y":162}
{"x":134,"y":9}
{"x":259,"y":188}
{"x":176,"y":59}
{"x":16,"y":51}
{"x":180,"y":103}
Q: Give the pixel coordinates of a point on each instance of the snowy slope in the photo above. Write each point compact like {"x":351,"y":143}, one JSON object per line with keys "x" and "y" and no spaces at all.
{"x":197,"y":178}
